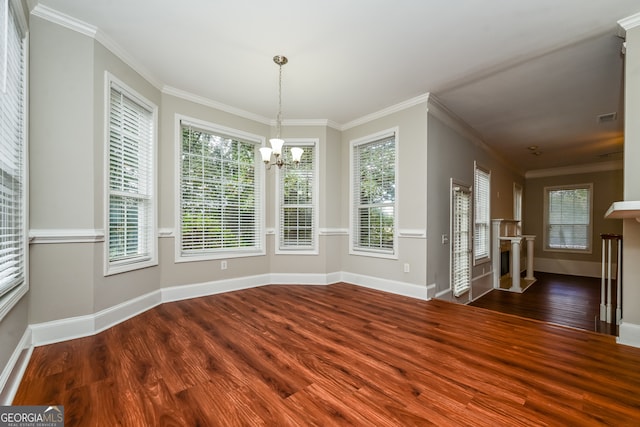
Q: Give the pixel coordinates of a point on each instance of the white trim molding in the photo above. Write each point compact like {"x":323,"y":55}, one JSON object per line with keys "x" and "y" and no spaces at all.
{"x":572,"y":170}
{"x":69,"y":22}
{"x":629,"y":23}
{"x":79,"y":235}
{"x":628,"y":334}
{"x":334,"y":231}
{"x":91,"y":324}
{"x":197,"y":99}
{"x":182,"y":292}
{"x":392,"y":286}
{"x":420,"y":99}
{"x":12,"y":298}
{"x":73,"y":24}
{"x":166,"y":232}
{"x":13,"y":371}
{"x":412,"y":233}
{"x":569,"y":267}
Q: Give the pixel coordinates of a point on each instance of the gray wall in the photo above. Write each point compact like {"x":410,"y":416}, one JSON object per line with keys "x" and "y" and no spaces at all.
{"x":67,"y":183}
{"x":607,"y":188}
{"x":631,"y":228}
{"x":14,"y":324}
{"x":411,"y":195}
{"x":67,"y":76}
{"x":452,"y":152}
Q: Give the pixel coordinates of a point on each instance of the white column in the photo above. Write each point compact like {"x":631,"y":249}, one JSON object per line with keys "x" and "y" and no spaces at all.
{"x":495,"y":251}
{"x":603,"y":308}
{"x":619,"y":283}
{"x":515,"y":271}
{"x":530,"y":240}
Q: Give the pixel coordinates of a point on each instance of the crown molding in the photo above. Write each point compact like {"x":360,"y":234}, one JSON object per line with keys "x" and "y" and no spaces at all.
{"x":572,"y":170}
{"x":95,"y":33}
{"x":629,"y":23}
{"x":52,"y":15}
{"x":125,"y":57}
{"x":309,"y":122}
{"x":451,"y":119}
{"x":420,"y":99}
{"x":188,"y":96}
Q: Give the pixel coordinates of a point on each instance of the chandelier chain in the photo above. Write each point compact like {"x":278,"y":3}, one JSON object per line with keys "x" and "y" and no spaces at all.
{"x":279,"y":118}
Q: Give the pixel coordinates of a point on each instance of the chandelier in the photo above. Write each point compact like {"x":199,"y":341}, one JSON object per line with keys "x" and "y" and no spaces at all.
{"x":273,"y":155}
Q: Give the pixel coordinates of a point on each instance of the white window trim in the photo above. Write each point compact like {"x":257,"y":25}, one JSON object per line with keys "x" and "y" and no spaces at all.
{"x":152,"y":260}
{"x":11,"y":298}
{"x":260,"y":174}
{"x":302,"y":143}
{"x":353,"y":143}
{"x":467,"y":189}
{"x":518,"y":192}
{"x":545,"y":222}
{"x":487,"y":258}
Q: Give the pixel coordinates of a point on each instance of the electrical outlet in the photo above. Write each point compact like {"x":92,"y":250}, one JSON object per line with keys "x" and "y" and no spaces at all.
{"x":407,"y":268}
{"x":223,"y":265}
{"x":445,"y":239}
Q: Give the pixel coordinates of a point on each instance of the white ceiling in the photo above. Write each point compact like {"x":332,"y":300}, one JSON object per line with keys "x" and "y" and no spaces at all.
{"x":521,"y":73}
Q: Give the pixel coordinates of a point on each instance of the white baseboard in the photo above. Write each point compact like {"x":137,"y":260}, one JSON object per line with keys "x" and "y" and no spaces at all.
{"x":629,"y":334}
{"x":14,"y":369}
{"x":305,"y":279}
{"x":104,"y":319}
{"x":91,"y":324}
{"x":182,"y":292}
{"x":394,"y":287}
{"x":431,"y":291}
{"x":572,"y":268}
{"x":63,"y":329}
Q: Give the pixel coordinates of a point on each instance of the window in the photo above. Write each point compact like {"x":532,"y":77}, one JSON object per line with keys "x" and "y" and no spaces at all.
{"x":460,"y":239}
{"x":481,"y":214}
{"x":13,"y":215}
{"x":568,"y":218}
{"x":373,"y":226}
{"x":131,"y":234}
{"x":517,"y":202}
{"x":297,"y":202}
{"x":220,"y":202}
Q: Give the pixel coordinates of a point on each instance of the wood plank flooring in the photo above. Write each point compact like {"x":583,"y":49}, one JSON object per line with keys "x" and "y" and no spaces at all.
{"x":335,"y":355}
{"x":565,"y":300}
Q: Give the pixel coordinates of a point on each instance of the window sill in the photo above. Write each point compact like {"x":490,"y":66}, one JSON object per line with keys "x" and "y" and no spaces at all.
{"x":373,"y":254}
{"x":110,"y":270}
{"x":8,"y":301}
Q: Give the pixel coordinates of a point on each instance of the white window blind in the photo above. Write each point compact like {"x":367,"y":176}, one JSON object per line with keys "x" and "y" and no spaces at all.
{"x":297,"y":201}
{"x":4,"y":42}
{"x":481,"y":213}
{"x":517,"y":202}
{"x":12,"y":155}
{"x":460,"y":240}
{"x":131,"y":231}
{"x":568,"y":215}
{"x":374,"y":192}
{"x":219,"y":194}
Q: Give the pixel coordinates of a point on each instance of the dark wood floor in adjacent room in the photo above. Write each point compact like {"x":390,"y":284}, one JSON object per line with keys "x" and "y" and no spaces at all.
{"x":557,"y":298}
{"x":335,"y":355}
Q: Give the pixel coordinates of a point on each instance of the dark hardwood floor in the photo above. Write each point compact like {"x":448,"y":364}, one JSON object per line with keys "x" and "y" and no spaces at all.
{"x":335,"y":355}
{"x":565,"y":300}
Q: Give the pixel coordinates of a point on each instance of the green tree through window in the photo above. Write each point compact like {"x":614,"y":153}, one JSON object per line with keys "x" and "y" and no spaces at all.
{"x":218,"y":204}
{"x":375,"y":193}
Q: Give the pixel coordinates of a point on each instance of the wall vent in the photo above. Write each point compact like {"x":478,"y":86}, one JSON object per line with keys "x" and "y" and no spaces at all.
{"x":606,"y":118}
